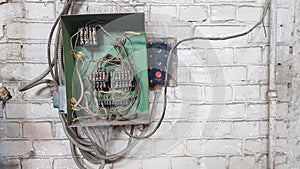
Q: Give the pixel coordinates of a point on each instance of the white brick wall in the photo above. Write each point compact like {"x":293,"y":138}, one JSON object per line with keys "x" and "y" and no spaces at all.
{"x":216,"y":117}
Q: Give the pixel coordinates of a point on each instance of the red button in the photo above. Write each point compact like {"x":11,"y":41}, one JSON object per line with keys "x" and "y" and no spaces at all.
{"x":158,"y":74}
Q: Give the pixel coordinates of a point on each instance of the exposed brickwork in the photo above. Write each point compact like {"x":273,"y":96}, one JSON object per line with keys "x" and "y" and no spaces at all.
{"x":217,"y":118}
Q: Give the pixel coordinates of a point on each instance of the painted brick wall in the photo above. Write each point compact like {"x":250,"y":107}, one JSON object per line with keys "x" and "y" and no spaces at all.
{"x":217,"y":117}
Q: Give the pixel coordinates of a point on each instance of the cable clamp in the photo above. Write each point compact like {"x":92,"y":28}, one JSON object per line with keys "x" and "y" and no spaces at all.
{"x":59,"y":99}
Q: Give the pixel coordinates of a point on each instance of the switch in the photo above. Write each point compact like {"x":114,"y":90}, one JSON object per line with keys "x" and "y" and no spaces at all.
{"x":158,"y":74}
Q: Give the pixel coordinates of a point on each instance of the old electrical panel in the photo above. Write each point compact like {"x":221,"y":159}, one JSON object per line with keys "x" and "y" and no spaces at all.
{"x":106,"y":69}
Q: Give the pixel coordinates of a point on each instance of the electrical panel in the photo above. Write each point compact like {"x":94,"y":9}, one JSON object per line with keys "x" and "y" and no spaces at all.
{"x":158,"y":56}
{"x":106,"y":69}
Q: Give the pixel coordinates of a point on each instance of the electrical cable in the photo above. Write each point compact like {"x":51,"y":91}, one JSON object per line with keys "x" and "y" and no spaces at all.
{"x":93,"y":148}
{"x":156,"y":96}
{"x":191,"y":39}
{"x":34,"y":82}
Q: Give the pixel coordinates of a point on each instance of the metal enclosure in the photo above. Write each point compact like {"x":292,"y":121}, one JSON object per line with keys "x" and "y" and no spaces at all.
{"x":88,"y":62}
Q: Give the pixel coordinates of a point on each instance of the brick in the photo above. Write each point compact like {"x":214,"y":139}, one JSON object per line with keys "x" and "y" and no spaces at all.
{"x":10,"y":163}
{"x":233,"y":111}
{"x":35,"y":52}
{"x":37,"y":163}
{"x":175,"y":110}
{"x":258,"y":74}
{"x":222,"y":12}
{"x":281,"y":159}
{"x":225,"y":75}
{"x":214,"y":112}
{"x":249,"y":13}
{"x":169,"y":147}
{"x":244,"y":93}
{"x":219,"y":56}
{"x":284,"y":166}
{"x":38,"y":94}
{"x":16,"y":71}
{"x":213,"y":147}
{"x":28,"y":31}
{"x":219,"y":31}
{"x":213,"y":162}
{"x":246,"y":162}
{"x":256,"y":112}
{"x":246,"y":129}
{"x":218,"y":94}
{"x":264,"y":92}
{"x":217,"y":130}
{"x":143,"y":148}
{"x":128,"y":163}
{"x":235,"y":74}
{"x":183,"y":130}
{"x":251,"y":55}
{"x":283,"y":53}
{"x":40,"y":130}
{"x":59,"y":132}
{"x":191,"y":57}
{"x":282,"y":129}
{"x":165,"y":13}
{"x":203,"y":112}
{"x":52,"y":147}
{"x":9,"y":11}
{"x":284,"y":34}
{"x":183,"y":75}
{"x":264,"y":128}
{"x":31,"y":111}
{"x":81,"y":7}
{"x":172,"y":1}
{"x":283,"y":94}
{"x":283,"y":16}
{"x":180,"y":31}
{"x":259,"y":35}
{"x":10,"y":51}
{"x":282,"y":73}
{"x":193,"y":13}
{"x":64,"y":163}
{"x":189,"y":93}
{"x":282,"y":110}
{"x":16,"y":148}
{"x":255,"y":146}
{"x":39,"y":1}
{"x":184,"y":162}
{"x":116,"y":145}
{"x":157,"y":163}
{"x":94,"y":166}
{"x":10,"y":130}
{"x":94,"y":7}
{"x":163,"y":131}
{"x":44,"y":11}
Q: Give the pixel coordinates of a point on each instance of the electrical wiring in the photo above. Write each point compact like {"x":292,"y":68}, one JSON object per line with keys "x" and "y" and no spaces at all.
{"x":93,"y":147}
{"x":51,"y":63}
{"x":261,"y":21}
{"x":107,"y":63}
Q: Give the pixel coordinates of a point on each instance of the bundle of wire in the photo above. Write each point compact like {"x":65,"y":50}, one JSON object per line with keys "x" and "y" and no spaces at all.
{"x":93,"y":147}
{"x":93,"y":80}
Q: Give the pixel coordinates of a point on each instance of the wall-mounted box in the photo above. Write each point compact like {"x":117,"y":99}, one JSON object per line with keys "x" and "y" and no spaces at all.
{"x":105,"y":62}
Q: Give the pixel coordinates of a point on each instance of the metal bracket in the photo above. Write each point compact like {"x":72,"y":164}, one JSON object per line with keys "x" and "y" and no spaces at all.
{"x":59,"y":99}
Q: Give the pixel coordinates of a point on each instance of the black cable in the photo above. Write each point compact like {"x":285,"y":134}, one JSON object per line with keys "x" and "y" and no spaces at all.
{"x":92,"y":150}
{"x":191,"y":39}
